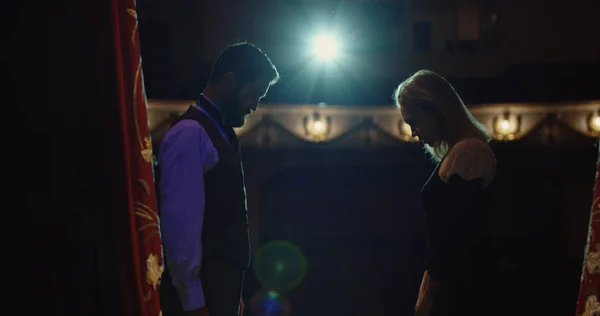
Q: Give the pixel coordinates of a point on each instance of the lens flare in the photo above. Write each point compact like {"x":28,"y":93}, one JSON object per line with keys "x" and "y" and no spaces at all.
{"x":280,"y":265}
{"x":269,"y":303}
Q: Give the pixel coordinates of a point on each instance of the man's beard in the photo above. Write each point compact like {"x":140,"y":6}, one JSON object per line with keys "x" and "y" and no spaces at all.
{"x":234,"y":114}
{"x":238,"y":120}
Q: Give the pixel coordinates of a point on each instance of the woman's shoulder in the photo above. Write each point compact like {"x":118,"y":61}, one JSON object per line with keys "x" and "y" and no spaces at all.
{"x":470,"y":159}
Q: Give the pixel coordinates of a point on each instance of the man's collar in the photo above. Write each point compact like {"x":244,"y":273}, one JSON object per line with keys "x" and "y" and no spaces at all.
{"x":210,"y":101}
{"x":217,"y":111}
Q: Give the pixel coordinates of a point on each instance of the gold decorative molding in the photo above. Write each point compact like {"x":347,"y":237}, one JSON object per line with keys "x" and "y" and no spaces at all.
{"x":505,"y":121}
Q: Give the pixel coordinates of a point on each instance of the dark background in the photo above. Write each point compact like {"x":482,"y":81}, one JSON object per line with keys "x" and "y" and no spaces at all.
{"x":545,"y":51}
{"x":358,"y":217}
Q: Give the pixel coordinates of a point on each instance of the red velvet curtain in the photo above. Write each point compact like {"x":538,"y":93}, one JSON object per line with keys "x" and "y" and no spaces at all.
{"x":86,"y":229}
{"x":145,"y":256}
{"x":588,"y":303}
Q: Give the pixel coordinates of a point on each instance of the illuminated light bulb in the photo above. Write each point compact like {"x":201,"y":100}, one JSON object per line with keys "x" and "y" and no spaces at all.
{"x":318,"y":127}
{"x":406,"y":130}
{"x":407,"y":134}
{"x":504,"y":125}
{"x":595,"y":123}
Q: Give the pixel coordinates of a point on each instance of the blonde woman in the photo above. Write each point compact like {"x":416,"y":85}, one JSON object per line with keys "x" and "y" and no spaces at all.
{"x":455,"y":196}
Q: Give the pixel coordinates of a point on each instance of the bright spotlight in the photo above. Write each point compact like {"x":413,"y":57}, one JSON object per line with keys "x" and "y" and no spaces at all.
{"x":325,"y":47}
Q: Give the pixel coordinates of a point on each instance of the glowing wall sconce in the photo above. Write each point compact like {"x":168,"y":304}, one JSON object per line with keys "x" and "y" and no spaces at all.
{"x":507,"y":126}
{"x":317,"y":129}
{"x":594,"y":123}
{"x":406,"y":132}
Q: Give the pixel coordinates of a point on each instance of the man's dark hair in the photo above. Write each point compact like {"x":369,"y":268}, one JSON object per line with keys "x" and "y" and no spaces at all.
{"x":247,"y":62}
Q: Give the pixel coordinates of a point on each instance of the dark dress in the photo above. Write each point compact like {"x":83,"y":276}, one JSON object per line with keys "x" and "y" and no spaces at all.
{"x":456,"y":199}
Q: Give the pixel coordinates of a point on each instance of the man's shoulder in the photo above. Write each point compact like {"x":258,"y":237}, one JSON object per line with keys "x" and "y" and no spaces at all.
{"x":195,"y":113}
{"x":186,"y":128}
{"x":186,"y":123}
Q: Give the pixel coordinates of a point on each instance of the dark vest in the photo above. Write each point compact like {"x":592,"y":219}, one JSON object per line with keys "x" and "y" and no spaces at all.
{"x":225,"y":235}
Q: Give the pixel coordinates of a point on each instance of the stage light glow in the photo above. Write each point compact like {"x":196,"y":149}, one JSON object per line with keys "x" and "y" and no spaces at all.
{"x":325,"y":47}
{"x":594,"y":122}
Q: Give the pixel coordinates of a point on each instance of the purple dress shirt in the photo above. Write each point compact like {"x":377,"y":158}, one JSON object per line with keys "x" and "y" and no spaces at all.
{"x":186,"y":154}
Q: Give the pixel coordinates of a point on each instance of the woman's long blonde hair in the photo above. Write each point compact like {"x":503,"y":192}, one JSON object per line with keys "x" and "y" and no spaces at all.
{"x":458,"y":122}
